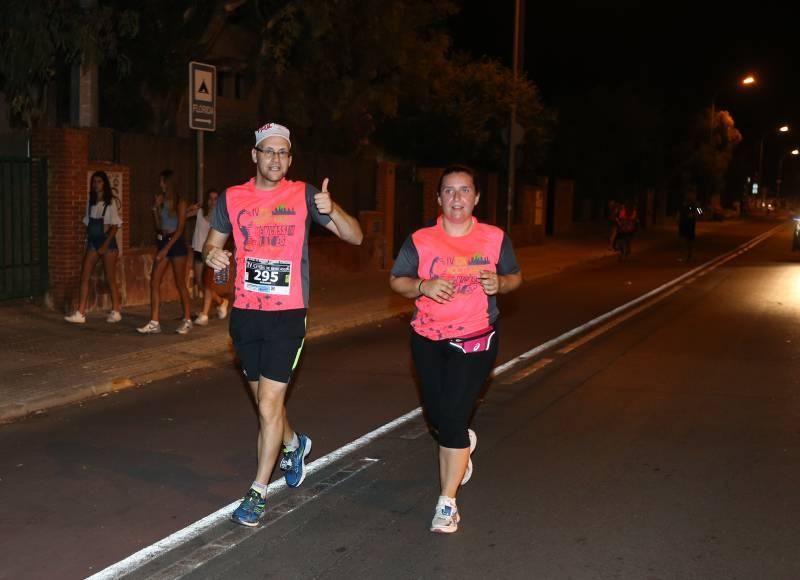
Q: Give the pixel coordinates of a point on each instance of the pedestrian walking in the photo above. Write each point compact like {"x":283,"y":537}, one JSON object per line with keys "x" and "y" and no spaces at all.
{"x":627,"y":226}
{"x":201,"y":228}
{"x":687,"y":222}
{"x":269,"y":218}
{"x":169,"y":219}
{"x":102,"y":221}
{"x":454,"y":270}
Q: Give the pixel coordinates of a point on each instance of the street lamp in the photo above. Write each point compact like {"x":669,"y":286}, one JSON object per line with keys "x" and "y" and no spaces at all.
{"x":794,"y":152}
{"x":749,"y":80}
{"x":759,"y":177}
{"x":512,"y":146}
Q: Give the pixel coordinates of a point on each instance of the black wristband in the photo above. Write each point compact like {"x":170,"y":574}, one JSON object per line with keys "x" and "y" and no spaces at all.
{"x":419,"y":288}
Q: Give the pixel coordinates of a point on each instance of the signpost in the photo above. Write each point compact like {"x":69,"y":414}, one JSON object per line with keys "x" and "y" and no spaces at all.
{"x":202,"y":111}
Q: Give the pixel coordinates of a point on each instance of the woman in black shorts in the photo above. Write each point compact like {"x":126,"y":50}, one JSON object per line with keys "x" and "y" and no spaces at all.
{"x":169,"y":217}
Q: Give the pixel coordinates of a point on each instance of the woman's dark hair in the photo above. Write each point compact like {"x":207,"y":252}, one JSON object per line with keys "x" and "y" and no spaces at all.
{"x":171,"y":196}
{"x":457,"y":168}
{"x":205,"y":201}
{"x":108,"y":194}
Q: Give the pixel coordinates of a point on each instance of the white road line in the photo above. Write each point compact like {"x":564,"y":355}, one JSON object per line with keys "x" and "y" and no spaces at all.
{"x":526,"y":372}
{"x":552,"y":343}
{"x":145,"y":555}
{"x":190,"y":532}
{"x":619,"y":320}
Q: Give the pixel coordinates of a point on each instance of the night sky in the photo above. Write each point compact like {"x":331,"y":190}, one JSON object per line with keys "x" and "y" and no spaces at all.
{"x":688,"y":52}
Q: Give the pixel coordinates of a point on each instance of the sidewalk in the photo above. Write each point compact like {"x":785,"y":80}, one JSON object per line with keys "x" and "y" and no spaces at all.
{"x":47,"y":362}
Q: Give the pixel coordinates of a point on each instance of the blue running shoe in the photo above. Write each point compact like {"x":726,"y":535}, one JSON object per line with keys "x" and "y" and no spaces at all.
{"x":293,"y":463}
{"x":251,"y":510}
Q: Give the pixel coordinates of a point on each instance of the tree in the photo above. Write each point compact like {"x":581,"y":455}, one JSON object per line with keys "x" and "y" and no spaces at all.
{"x":350,"y":73}
{"x":706,"y":152}
{"x":466,"y":115}
{"x":38,"y":38}
{"x":170,"y":34}
{"x":612,"y":141}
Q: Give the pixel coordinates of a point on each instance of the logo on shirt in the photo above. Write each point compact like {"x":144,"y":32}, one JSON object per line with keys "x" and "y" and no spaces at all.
{"x":283,"y":210}
{"x":461,"y":271}
{"x":259,"y":228}
{"x":478,"y":260}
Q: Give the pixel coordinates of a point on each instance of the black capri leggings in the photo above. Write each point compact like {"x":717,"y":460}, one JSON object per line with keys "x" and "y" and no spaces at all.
{"x":451,"y":382}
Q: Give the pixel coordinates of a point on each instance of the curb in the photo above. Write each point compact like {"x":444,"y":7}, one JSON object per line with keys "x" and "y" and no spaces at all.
{"x":195,"y":355}
{"x":40,"y":405}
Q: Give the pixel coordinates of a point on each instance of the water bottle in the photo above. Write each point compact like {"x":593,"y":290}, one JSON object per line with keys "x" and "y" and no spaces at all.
{"x":221,"y":275}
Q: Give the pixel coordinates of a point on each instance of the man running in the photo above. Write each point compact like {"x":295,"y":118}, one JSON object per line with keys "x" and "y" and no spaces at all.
{"x":270,"y":217}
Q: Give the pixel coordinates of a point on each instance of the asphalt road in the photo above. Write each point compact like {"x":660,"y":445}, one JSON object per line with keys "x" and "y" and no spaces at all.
{"x":662,"y":448}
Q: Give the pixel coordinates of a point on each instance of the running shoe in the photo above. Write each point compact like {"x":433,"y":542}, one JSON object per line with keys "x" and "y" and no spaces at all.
{"x":75,"y":318}
{"x":185,"y":327}
{"x":473,"y":442}
{"x":201,"y":320}
{"x":251,"y":510}
{"x":151,"y":327}
{"x":293,"y":463}
{"x":114,"y":316}
{"x":446,"y":518}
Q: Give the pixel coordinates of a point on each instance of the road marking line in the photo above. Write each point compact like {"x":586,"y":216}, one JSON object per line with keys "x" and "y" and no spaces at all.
{"x":239,"y":534}
{"x":145,"y":555}
{"x":554,"y":342}
{"x":527,"y":371}
{"x":619,"y":320}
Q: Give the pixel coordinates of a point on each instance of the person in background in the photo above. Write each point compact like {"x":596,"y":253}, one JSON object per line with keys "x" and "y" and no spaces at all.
{"x":102,"y":221}
{"x":201,"y":228}
{"x":613,"y":210}
{"x":627,"y":226}
{"x":169,"y":218}
{"x":687,"y":221}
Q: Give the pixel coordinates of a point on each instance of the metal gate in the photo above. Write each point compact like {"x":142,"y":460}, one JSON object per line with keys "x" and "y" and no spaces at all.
{"x":23,"y":228}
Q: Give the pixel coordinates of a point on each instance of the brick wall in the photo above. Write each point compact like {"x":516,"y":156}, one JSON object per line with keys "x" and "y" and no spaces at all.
{"x":67,"y":151}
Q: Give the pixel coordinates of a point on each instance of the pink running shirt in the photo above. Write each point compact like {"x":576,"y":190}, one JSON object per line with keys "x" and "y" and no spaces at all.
{"x":270,"y":230}
{"x":430,"y":253}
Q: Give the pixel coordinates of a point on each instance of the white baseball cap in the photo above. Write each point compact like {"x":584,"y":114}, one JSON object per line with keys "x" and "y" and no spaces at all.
{"x":272,"y":130}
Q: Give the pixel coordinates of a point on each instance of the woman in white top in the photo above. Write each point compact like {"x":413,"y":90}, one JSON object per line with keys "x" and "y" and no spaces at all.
{"x":201,"y":227}
{"x":102,"y":221}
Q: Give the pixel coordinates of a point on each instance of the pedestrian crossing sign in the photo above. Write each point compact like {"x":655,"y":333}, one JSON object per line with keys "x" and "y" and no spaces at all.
{"x":202,"y":96}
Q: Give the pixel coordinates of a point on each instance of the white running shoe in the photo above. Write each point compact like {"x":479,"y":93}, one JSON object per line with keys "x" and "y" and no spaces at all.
{"x":114,"y":316}
{"x":185,"y":327}
{"x":201,"y":320}
{"x":151,"y":327}
{"x":222,"y":309}
{"x":473,"y":443}
{"x":446,"y":518}
{"x":75,"y":318}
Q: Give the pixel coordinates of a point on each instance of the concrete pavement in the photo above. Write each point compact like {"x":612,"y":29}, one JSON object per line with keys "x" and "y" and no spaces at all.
{"x":48,"y":363}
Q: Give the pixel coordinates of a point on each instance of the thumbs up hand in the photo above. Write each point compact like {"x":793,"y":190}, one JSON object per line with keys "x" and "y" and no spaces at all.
{"x":323,"y":199}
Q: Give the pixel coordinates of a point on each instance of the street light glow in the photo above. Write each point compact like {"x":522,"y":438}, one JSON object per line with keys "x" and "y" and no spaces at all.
{"x":795,"y":151}
{"x":784,"y":129}
{"x":748,"y":80}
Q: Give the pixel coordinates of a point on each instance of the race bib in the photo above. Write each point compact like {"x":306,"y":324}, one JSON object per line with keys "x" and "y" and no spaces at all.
{"x":267,"y":276}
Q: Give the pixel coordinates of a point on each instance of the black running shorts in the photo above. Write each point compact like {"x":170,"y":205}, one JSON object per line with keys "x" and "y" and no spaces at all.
{"x":268,"y":343}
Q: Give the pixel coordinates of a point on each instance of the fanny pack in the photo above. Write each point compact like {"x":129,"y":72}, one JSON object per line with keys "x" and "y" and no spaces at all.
{"x":477,"y":342}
